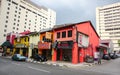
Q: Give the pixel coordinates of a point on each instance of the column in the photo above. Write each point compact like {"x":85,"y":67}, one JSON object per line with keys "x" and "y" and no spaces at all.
{"x":75,"y":53}
{"x":54,"y":56}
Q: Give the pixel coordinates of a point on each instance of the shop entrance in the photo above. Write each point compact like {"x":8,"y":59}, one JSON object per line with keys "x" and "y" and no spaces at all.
{"x":58,"y":54}
{"x":34,"y":51}
{"x":64,"y":55}
{"x":67,"y":55}
{"x":47,"y":53}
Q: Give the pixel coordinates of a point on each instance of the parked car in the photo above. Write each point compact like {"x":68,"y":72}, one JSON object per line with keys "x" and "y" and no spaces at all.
{"x":40,"y":58}
{"x":106,"y":57}
{"x":113,"y":56}
{"x":18,"y":57}
{"x":118,"y":55}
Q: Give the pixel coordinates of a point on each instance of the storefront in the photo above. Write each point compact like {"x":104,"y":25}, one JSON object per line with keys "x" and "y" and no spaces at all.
{"x":75,"y":42}
{"x":45,"y":43}
{"x":64,"y":51}
{"x":45,"y":49}
{"x":21,"y":49}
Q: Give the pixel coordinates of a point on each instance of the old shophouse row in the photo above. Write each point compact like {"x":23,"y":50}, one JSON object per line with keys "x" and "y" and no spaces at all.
{"x":67,"y":42}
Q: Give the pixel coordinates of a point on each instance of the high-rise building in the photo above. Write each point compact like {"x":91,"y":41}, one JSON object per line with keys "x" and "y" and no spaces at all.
{"x":108,"y":23}
{"x":22,"y":15}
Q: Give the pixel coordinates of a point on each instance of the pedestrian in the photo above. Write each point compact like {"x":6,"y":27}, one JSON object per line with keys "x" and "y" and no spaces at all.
{"x":99,"y":58}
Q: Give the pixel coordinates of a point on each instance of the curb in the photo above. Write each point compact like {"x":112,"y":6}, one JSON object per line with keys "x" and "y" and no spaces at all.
{"x":61,"y":65}
{"x":47,"y":63}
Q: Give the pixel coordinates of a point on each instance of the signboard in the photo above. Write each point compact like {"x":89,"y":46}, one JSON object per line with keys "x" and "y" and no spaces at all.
{"x":83,"y":40}
{"x":44,"y":45}
{"x":48,"y":35}
{"x":65,"y":45}
{"x":20,"y":46}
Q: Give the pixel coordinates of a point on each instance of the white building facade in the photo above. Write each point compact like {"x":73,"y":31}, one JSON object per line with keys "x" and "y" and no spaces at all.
{"x":22,"y":15}
{"x":108,"y":23}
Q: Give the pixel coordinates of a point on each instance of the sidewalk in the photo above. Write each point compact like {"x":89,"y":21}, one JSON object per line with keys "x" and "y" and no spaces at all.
{"x":63,"y":63}
{"x":66,"y":64}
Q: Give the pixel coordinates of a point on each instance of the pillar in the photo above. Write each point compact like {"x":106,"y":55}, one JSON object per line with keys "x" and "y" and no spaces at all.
{"x":29,"y":52}
{"x":81,"y":55}
{"x":75,"y":53}
{"x":54,"y":56}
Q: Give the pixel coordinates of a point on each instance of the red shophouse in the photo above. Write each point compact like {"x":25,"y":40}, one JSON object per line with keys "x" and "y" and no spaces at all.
{"x":74,"y":42}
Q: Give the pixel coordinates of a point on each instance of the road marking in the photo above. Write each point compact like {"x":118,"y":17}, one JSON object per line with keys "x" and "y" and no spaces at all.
{"x":15,"y":63}
{"x":39,"y":69}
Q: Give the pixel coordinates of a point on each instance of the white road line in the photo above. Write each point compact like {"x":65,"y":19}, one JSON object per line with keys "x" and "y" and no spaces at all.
{"x":16,"y":64}
{"x":39,"y":69}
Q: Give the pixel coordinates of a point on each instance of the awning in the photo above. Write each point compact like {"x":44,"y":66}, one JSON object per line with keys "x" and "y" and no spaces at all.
{"x":103,"y":46}
{"x":7,"y":44}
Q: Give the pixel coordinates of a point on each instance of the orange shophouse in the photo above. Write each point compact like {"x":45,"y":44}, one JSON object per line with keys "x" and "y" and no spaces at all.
{"x":45,"y":43}
{"x":73,"y":42}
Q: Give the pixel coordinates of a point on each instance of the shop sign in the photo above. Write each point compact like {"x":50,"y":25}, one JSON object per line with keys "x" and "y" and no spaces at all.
{"x":65,"y":45}
{"x":48,"y":35}
{"x":83,"y":40}
{"x":44,"y":45}
{"x":21,"y":46}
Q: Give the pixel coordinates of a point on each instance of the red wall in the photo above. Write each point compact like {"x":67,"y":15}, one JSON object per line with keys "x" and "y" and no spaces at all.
{"x":78,"y":54}
{"x":88,"y":29}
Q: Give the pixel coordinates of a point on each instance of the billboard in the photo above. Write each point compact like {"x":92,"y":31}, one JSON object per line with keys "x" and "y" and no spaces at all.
{"x":83,"y":40}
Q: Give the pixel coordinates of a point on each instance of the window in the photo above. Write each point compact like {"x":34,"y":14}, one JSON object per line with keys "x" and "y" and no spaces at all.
{"x":5,"y":30}
{"x":4,"y":35}
{"x":18,"y":16}
{"x":16,"y":7}
{"x":64,"y":34}
{"x":70,"y":33}
{"x":8,"y":8}
{"x":7,"y":12}
{"x":15,"y":15}
{"x":6,"y":16}
{"x":58,"y":34}
{"x":15,"y":11}
{"x":6,"y":26}
{"x":8,"y":4}
{"x":13,"y":27}
{"x":14,"y":19}
{"x":17,"y":28}
{"x":17,"y":24}
{"x":19,"y":13}
{"x":14,"y":23}
{"x":43,"y":38}
{"x":6,"y":21}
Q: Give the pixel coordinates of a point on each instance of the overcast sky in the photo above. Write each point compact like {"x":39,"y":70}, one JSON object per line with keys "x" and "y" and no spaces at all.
{"x":72,"y":11}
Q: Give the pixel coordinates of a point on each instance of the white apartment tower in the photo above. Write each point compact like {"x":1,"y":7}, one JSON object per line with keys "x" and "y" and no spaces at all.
{"x":22,"y":15}
{"x":108,"y":23}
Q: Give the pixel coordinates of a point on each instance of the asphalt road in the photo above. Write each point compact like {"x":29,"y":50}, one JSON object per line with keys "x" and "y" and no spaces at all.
{"x":9,"y":67}
{"x":112,"y":67}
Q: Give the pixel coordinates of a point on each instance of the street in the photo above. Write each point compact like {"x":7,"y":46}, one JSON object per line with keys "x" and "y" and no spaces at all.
{"x":112,"y":67}
{"x":9,"y":67}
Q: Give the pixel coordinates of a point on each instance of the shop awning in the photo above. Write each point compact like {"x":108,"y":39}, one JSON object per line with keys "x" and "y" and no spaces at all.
{"x":7,"y":44}
{"x":103,"y":46}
